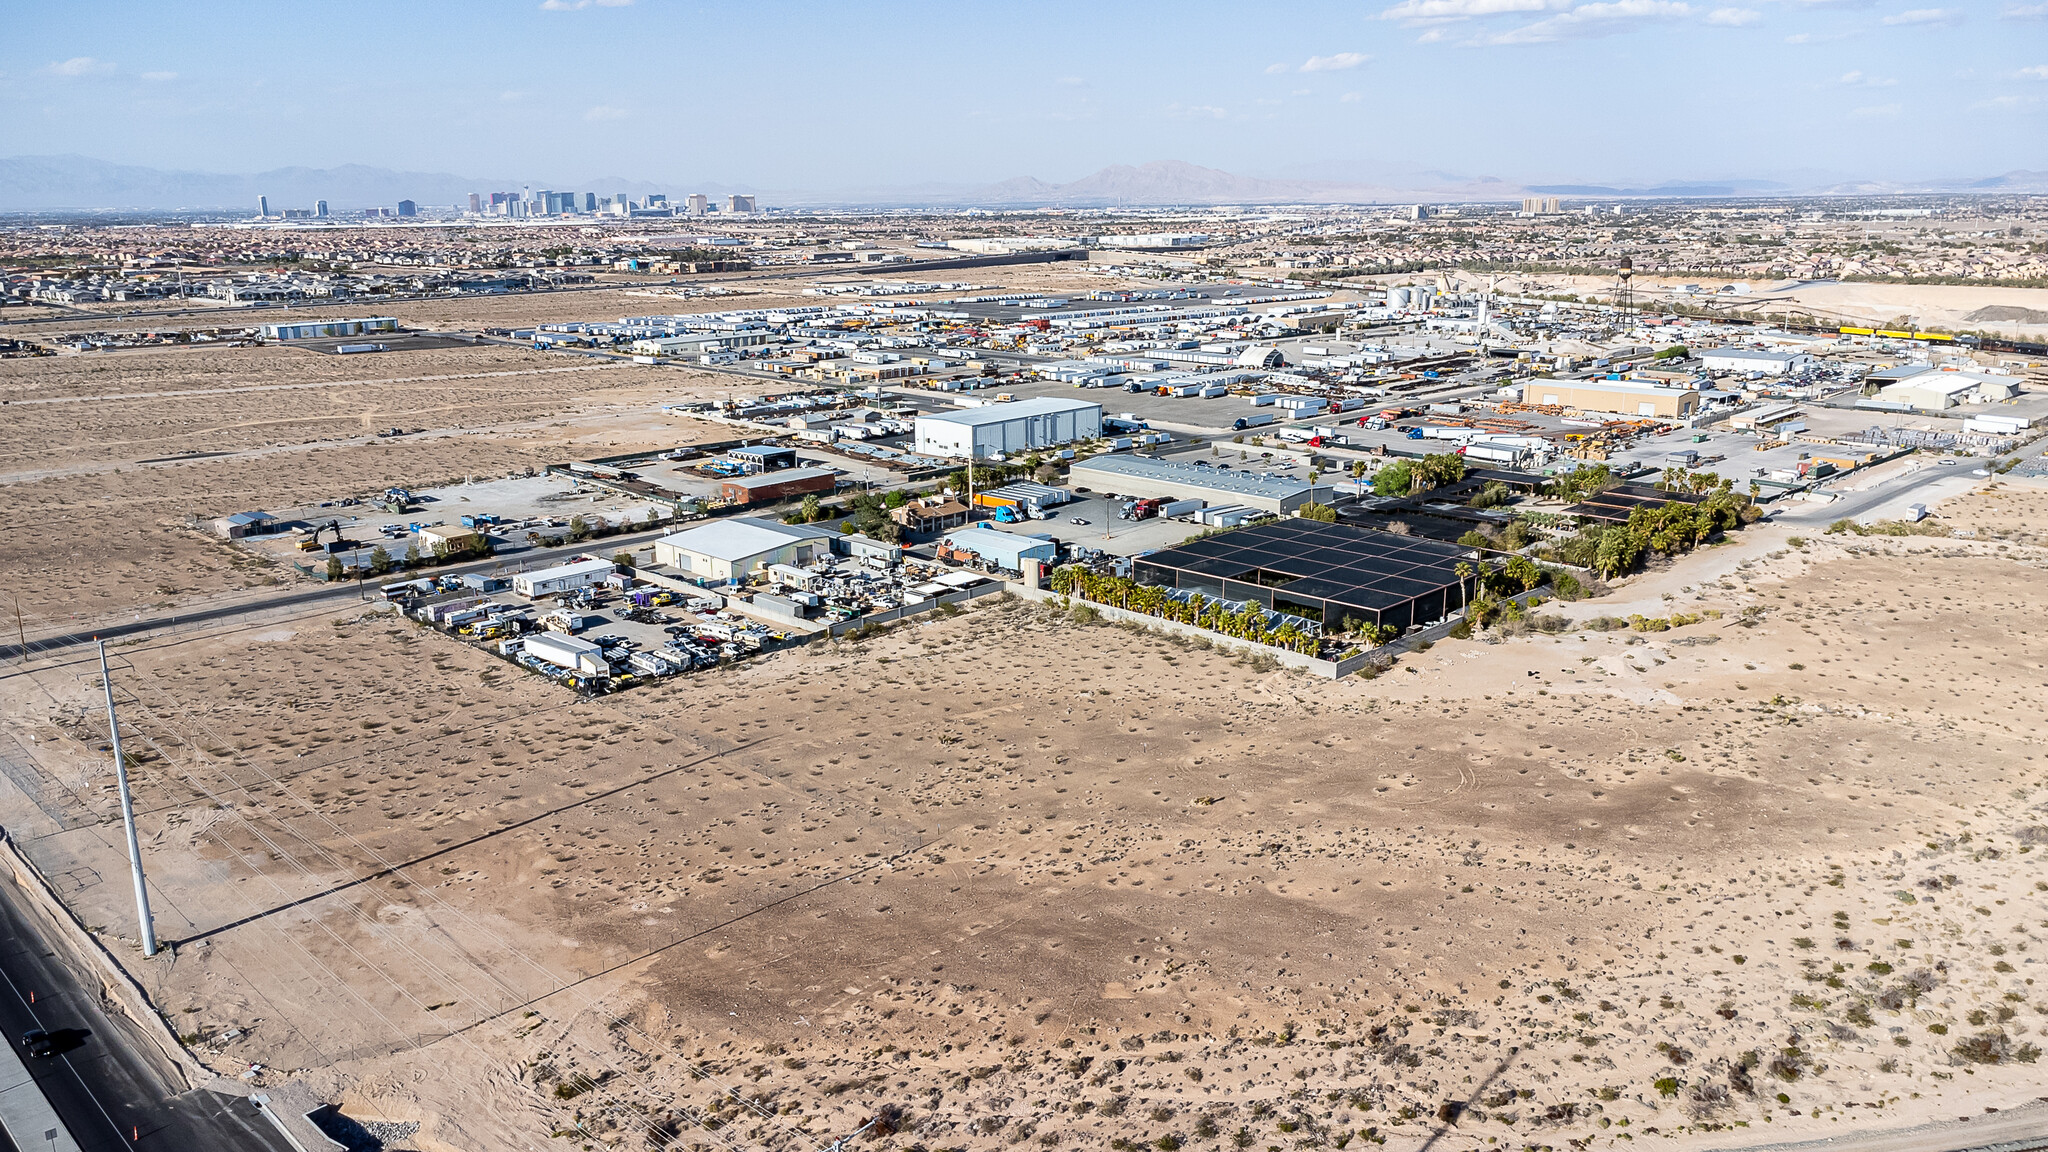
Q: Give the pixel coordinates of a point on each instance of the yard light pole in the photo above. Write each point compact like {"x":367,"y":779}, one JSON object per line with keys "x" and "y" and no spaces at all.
{"x":127,"y":812}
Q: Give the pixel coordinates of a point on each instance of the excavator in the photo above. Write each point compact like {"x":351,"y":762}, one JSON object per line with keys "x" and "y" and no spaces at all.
{"x":312,"y":543}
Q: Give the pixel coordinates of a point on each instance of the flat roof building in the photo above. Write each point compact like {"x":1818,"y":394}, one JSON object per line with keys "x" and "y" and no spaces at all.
{"x":768,"y":487}
{"x":1324,"y":572}
{"x":1941,"y":388}
{"x":582,"y":572}
{"x":1147,"y":478}
{"x":1005,"y":550}
{"x":1616,"y":397}
{"x":1753,"y":360}
{"x":1016,"y":426}
{"x":733,"y":549}
{"x":315,"y":329}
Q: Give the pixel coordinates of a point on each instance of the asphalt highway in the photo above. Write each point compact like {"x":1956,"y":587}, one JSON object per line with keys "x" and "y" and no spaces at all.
{"x":107,"y":1087}
{"x":309,"y":598}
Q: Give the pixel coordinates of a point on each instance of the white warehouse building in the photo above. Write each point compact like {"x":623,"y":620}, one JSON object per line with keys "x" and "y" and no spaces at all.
{"x":1754,"y":360}
{"x":733,"y":549}
{"x":1016,"y":426}
{"x":582,"y":572}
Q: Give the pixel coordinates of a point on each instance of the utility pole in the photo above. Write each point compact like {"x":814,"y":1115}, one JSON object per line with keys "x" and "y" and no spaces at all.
{"x":128,"y":813}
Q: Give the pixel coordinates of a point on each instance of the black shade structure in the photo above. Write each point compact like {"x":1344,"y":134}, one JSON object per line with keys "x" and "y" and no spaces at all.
{"x":1613,"y":505}
{"x":1324,"y":572}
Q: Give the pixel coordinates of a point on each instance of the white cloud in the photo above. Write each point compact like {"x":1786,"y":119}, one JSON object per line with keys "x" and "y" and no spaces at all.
{"x":80,"y":66}
{"x":1860,"y":80}
{"x":1431,"y":37}
{"x":159,"y":77}
{"x":1877,"y":112}
{"x":1423,"y":11}
{"x":1349,"y":98}
{"x":2025,"y":12}
{"x":2004,"y":103}
{"x":510,"y":97}
{"x":579,"y":5}
{"x":1276,"y":69}
{"x":2037,"y":72}
{"x":1589,"y":20}
{"x":1070,"y":82}
{"x":1197,"y":111}
{"x":1734,"y":17}
{"x":1337,"y":62}
{"x":605,"y":112}
{"x":1926,"y":16}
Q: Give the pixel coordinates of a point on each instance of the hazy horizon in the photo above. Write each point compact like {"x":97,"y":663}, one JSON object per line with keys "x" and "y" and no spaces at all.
{"x":824,"y":98}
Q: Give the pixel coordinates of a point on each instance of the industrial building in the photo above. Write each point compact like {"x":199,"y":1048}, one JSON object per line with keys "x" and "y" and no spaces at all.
{"x":1323,"y":572}
{"x":452,"y":540}
{"x":1005,"y":550}
{"x":1145,"y":477}
{"x":582,"y":572}
{"x":764,"y":458}
{"x":932,"y":514}
{"x":1936,"y":389}
{"x":568,"y":652}
{"x":245,"y":524}
{"x":1000,"y":429}
{"x":315,"y":329}
{"x":1756,"y":360}
{"x":733,"y":549}
{"x":1618,"y":397}
{"x":768,"y":487}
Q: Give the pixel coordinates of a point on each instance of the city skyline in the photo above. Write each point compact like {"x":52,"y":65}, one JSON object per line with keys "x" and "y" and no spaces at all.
{"x":1408,"y":94}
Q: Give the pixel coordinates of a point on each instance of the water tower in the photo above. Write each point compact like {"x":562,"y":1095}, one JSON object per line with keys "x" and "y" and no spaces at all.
{"x":1624,"y":296}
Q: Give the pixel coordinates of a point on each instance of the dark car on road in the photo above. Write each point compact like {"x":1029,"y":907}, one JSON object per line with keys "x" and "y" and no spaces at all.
{"x":37,"y":1042}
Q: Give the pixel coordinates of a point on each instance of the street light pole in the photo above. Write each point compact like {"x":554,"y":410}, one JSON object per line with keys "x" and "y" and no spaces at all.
{"x":128,"y":813}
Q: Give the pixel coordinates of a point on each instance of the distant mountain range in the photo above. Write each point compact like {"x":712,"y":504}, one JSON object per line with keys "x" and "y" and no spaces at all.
{"x":59,"y":183}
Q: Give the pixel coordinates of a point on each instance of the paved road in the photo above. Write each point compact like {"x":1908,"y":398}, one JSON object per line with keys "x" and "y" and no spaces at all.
{"x":109,"y":1087}
{"x":1853,"y":505}
{"x":324,"y":594}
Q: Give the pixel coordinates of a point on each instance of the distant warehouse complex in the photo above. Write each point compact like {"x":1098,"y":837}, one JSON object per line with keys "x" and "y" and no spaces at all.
{"x":1000,"y":429}
{"x":316,"y":329}
{"x":1146,"y":478}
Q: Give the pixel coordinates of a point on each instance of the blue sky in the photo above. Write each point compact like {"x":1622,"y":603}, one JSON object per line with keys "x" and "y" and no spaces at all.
{"x":844,"y":95}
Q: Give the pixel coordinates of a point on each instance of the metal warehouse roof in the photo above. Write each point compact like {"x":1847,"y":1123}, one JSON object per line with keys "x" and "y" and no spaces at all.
{"x":1748,"y":354}
{"x":991,"y":544}
{"x":771,"y":479}
{"x":1236,"y":482}
{"x":1010,"y":410}
{"x":740,"y":537}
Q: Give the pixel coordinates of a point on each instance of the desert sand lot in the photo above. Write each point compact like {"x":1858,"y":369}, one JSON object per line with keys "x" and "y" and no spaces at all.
{"x":1005,"y":877}
{"x":105,"y":458}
